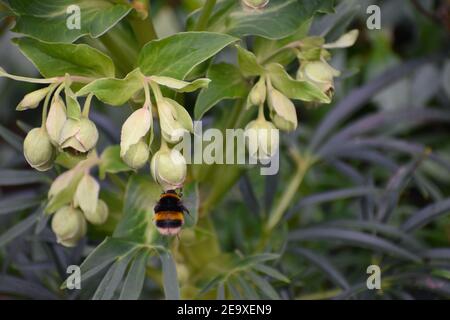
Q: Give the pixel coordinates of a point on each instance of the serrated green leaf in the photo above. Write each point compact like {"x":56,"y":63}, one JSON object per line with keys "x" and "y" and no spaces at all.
{"x":180,"y":85}
{"x":177,"y":55}
{"x":279,"y":19}
{"x":47,"y":20}
{"x":57,"y":59}
{"x":227,"y":82}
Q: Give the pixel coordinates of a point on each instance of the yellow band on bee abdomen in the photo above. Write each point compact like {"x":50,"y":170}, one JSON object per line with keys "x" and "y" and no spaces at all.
{"x":169,"y":215}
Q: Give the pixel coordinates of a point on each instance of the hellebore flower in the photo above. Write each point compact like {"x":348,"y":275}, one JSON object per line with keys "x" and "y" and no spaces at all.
{"x":100,"y":215}
{"x":257,"y":95}
{"x":262,"y":139}
{"x":38,"y":149}
{"x":133,"y":150}
{"x":78,"y":134}
{"x":56,"y":119}
{"x":174,"y":120}
{"x":282,"y":111}
{"x":32,"y":99}
{"x":69,"y":225}
{"x":319,"y":73}
{"x":168,"y":168}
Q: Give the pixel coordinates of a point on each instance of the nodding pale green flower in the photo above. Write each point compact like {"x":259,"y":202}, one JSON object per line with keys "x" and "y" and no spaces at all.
{"x":319,"y":73}
{"x":168,"y":168}
{"x":137,"y":155}
{"x":257,"y":95}
{"x":100,"y":215}
{"x":133,"y":149}
{"x":255,"y":4}
{"x":69,"y":225}
{"x":56,"y":119}
{"x":78,"y":134}
{"x":262,"y":139}
{"x":38,"y":150}
{"x":86,"y":194}
{"x":174,"y":120}
{"x":282,"y":111}
{"x":32,"y":99}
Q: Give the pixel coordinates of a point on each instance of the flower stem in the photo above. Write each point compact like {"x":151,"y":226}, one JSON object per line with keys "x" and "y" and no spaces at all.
{"x":87,"y":105}
{"x":202,"y":22}
{"x":46,"y":103}
{"x":303,"y":163}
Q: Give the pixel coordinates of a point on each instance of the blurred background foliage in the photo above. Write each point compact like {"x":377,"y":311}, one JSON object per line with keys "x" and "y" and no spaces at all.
{"x":369,"y":176}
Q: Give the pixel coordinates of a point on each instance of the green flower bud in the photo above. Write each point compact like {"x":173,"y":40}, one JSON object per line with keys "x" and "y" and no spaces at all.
{"x":257,"y":95}
{"x":137,"y":155}
{"x":134,"y":130}
{"x":282,"y":111}
{"x":32,"y":99}
{"x":56,"y":119}
{"x":69,"y":225}
{"x":255,"y":4}
{"x":86,"y":194}
{"x":80,"y":135}
{"x":174,"y":120}
{"x":262,"y":139}
{"x":319,"y":73}
{"x":168,"y":168}
{"x":100,"y":215}
{"x":38,"y":150}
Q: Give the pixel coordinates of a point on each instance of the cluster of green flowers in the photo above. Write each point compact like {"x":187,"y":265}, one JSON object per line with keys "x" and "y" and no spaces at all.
{"x":314,"y":69}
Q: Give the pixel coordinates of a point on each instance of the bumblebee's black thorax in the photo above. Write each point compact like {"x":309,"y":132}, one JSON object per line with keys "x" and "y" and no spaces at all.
{"x":169,"y":202}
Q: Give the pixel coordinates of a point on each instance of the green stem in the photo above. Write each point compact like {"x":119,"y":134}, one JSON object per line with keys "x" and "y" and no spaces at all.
{"x":87,"y":105}
{"x":143,"y":29}
{"x":46,"y":103}
{"x":303,"y":164}
{"x":122,"y":54}
{"x":204,"y":17}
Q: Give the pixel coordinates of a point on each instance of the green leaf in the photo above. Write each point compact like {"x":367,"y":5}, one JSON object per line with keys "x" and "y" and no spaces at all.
{"x":21,"y":177}
{"x":141,"y":196}
{"x":64,"y":196}
{"x":264,"y":286}
{"x":274,"y":273}
{"x":294,"y":89}
{"x":248,"y":64}
{"x":134,"y":281}
{"x":103,"y":255}
{"x":354,"y":238}
{"x":426,"y":215}
{"x":47,"y":19}
{"x":112,"y":279}
{"x":227,"y":82}
{"x":114,"y":91}
{"x":111,"y":162}
{"x":279,"y":19}
{"x":17,"y":203}
{"x":57,"y":59}
{"x":326,"y":266}
{"x":11,"y":138}
{"x":170,"y":278}
{"x":249,"y":292}
{"x":19,"y":228}
{"x":180,"y":85}
{"x":177,"y":55}
{"x":267,"y":51}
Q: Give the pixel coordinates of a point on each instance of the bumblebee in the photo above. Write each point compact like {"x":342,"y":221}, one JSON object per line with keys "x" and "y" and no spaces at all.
{"x":169,"y":213}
